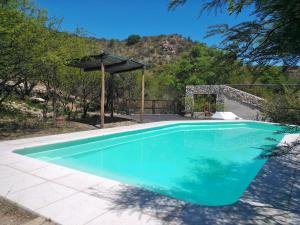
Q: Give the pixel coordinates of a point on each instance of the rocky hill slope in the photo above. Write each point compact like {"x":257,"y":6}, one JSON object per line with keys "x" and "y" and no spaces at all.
{"x":151,"y":50}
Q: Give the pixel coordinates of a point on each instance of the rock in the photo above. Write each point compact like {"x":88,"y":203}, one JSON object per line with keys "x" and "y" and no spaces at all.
{"x":37,"y":100}
{"x":23,"y":109}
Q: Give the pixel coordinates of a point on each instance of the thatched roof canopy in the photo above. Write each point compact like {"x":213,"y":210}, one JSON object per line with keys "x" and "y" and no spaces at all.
{"x":112,"y":63}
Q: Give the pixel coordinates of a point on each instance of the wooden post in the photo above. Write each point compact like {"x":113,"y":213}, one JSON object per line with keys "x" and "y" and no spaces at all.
{"x":153,"y":106}
{"x":143,"y":96}
{"x":112,"y":95}
{"x":127,"y":106}
{"x":102,"y":95}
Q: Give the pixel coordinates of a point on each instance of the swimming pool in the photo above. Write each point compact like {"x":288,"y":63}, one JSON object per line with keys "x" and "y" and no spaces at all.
{"x":203,"y":163}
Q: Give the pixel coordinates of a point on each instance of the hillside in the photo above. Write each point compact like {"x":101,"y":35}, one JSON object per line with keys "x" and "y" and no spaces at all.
{"x":151,"y":50}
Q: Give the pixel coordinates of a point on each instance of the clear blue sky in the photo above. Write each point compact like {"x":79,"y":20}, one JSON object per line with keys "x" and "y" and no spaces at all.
{"x":120,"y":18}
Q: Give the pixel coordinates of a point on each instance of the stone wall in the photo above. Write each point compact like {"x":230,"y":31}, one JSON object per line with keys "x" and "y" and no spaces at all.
{"x":191,"y":90}
{"x":242,"y":97}
{"x":222,"y":92}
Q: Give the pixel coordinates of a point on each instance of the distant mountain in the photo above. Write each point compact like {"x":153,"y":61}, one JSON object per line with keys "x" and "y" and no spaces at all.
{"x":151,"y":50}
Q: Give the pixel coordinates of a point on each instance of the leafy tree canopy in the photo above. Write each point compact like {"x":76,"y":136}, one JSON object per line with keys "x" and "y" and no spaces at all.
{"x":272,"y":37}
{"x":133,"y":39}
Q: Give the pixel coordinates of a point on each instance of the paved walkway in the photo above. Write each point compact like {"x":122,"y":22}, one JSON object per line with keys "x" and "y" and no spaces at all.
{"x":241,"y":110}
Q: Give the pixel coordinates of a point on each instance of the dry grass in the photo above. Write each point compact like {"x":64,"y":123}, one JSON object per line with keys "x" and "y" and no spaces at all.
{"x":11,"y":129}
{"x":11,"y":215}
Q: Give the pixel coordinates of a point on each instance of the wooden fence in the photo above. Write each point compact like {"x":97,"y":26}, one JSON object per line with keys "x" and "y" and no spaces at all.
{"x":153,"y":106}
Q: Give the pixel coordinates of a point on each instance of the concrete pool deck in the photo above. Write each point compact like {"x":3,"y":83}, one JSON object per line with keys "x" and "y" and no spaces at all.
{"x":71,"y":197}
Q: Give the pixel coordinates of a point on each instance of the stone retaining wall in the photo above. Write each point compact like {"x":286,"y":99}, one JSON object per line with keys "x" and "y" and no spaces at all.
{"x":242,"y":97}
{"x":222,"y":91}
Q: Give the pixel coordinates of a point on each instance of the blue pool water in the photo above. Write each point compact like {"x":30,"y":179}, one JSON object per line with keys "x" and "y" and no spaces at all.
{"x":208,"y":164}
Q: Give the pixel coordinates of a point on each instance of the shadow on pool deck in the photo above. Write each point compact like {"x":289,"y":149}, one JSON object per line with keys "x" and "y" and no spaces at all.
{"x":272,"y":198}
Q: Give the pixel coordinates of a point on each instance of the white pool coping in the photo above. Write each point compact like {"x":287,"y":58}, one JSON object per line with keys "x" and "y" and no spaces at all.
{"x":68,"y":196}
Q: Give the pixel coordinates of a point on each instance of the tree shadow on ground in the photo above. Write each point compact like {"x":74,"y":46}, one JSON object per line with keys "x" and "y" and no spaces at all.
{"x":9,"y":127}
{"x":272,"y":198}
{"x":33,"y":128}
{"x":95,"y":120}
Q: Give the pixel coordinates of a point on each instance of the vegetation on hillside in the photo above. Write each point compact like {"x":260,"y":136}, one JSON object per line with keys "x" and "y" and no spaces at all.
{"x":153,"y":50}
{"x":35,"y":53}
{"x":133,"y":39}
{"x":270,"y":38}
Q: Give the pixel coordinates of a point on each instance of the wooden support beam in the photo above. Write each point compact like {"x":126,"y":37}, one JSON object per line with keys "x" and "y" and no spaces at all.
{"x":112,"y":95}
{"x":143,"y":96}
{"x":102,"y":98}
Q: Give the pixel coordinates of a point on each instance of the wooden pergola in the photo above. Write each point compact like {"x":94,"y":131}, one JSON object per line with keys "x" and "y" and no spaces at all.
{"x":112,"y":64}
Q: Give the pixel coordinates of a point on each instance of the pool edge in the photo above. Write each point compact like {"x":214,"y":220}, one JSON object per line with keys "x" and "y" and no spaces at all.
{"x":10,"y":146}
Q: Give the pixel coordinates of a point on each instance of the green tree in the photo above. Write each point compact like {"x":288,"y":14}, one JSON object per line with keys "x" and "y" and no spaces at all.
{"x":34,"y":50}
{"x":271,"y":37}
{"x":21,"y":38}
{"x":53,"y":66}
{"x":133,"y":39}
{"x":75,"y":84}
{"x":283,"y":107}
{"x":201,"y":65}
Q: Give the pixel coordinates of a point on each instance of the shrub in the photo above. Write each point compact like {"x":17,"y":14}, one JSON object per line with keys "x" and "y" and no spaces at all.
{"x":133,"y":39}
{"x":220,"y":107}
{"x":283,"y":108}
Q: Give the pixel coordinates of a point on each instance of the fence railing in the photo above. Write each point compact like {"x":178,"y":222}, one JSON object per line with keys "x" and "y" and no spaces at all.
{"x":153,"y":106}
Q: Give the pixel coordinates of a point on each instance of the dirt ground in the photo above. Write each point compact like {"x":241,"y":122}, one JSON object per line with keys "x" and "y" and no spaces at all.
{"x":11,"y":215}
{"x":10,"y":130}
